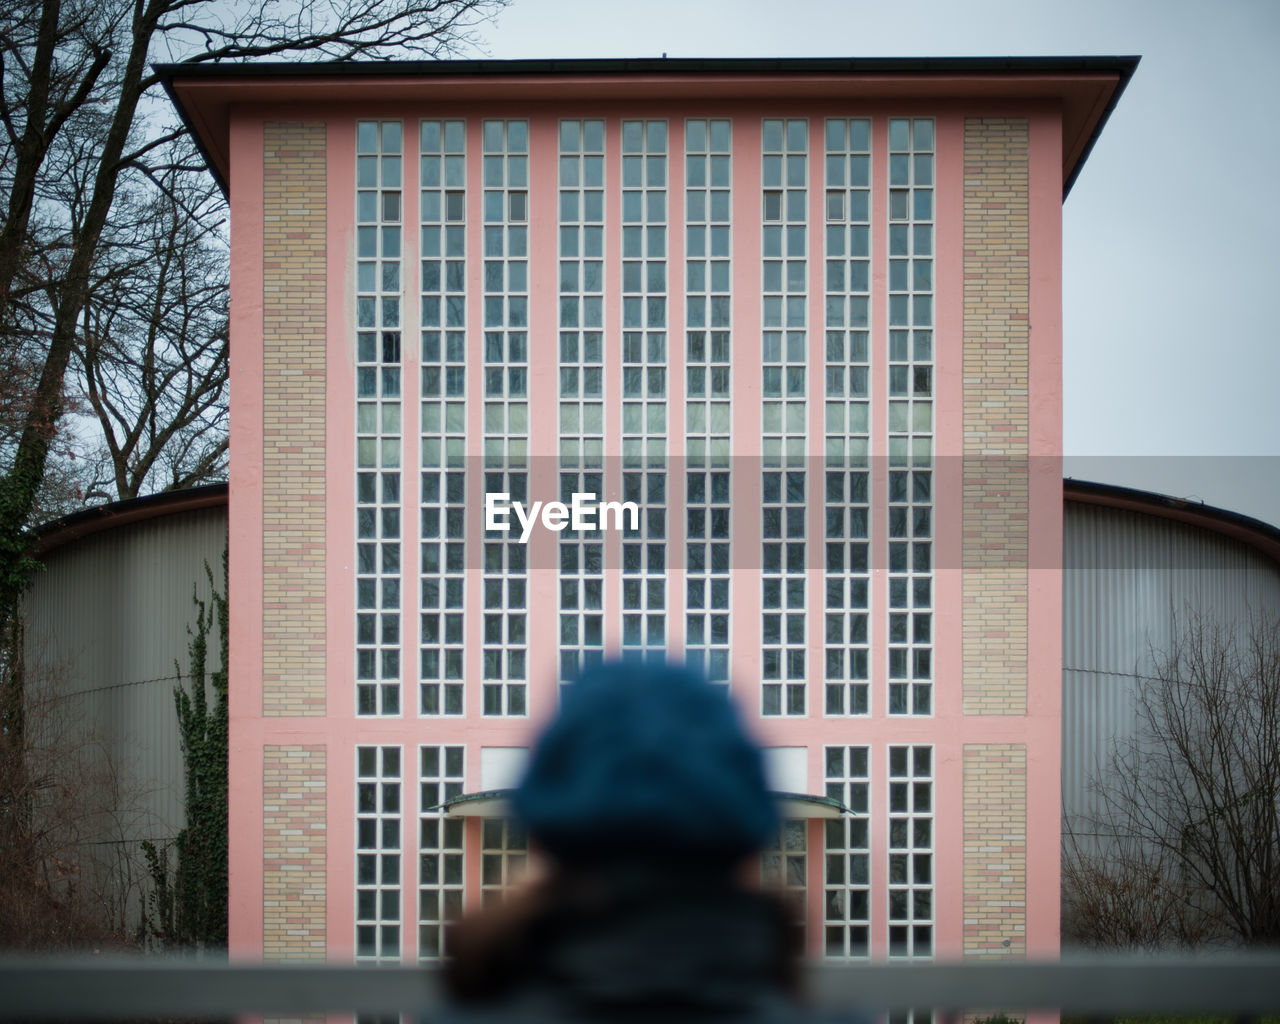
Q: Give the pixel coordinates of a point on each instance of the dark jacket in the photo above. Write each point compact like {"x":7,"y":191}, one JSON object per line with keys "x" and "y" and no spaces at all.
{"x":630,"y":948}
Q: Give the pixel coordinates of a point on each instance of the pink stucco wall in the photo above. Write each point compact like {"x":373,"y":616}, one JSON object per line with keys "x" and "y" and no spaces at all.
{"x":244,"y":544}
{"x":947,"y":729}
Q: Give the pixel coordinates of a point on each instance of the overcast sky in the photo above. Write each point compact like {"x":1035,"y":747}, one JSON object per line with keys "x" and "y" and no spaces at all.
{"x":1172,"y":231}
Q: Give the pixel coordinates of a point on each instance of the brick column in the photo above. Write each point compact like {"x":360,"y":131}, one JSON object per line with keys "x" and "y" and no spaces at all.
{"x":996,"y":320}
{"x":293,"y":419}
{"x":293,"y":536}
{"x":293,"y":852}
{"x":995,"y":850}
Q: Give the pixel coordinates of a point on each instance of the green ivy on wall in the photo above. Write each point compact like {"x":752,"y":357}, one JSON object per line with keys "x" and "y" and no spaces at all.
{"x":187,"y":908}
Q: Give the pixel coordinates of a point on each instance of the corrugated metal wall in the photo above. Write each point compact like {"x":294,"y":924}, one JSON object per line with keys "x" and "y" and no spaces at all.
{"x":107,"y":620}
{"x":1128,"y":578}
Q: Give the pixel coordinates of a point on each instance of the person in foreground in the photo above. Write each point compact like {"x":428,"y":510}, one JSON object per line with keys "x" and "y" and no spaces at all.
{"x":645,"y":799}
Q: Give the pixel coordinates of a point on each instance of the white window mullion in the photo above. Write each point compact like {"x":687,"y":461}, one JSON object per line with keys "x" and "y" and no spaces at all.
{"x":911,"y":478}
{"x":379,"y":413}
{"x":442,"y":176}
{"x":378,"y":853}
{"x":847,"y":210}
{"x":440,"y":848}
{"x":644,"y":385}
{"x":505,"y":615}
{"x":784,"y":355}
{"x":581,"y":222}
{"x":708,"y":390}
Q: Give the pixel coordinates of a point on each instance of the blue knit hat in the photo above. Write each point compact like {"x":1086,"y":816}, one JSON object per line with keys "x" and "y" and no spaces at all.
{"x":645,"y":761}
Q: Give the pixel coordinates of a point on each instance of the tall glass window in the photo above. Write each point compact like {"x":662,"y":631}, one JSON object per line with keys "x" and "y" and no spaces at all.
{"x":440,"y":851}
{"x":784,"y":869}
{"x":847,"y":208}
{"x":847,"y":882}
{"x":504,"y":853}
{"x":506,"y":410}
{"x":644,"y":385}
{"x":910,"y":505}
{"x":378,"y":848}
{"x":910,"y":851}
{"x":784,"y":355}
{"x":708,"y":383}
{"x":379,"y":437}
{"x":442,"y":177}
{"x":581,"y":243}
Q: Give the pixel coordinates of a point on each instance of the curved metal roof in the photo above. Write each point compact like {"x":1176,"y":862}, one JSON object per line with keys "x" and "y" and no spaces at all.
{"x":87,"y":521}
{"x":1254,"y":532}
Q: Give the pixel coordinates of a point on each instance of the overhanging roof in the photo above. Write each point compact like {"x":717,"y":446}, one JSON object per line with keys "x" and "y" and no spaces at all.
{"x":1087,"y":88}
{"x":495,"y":803}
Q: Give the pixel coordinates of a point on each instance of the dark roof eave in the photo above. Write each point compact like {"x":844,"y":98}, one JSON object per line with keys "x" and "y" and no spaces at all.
{"x":1103,"y":118}
{"x":1122,"y":67}
{"x":210,"y":164}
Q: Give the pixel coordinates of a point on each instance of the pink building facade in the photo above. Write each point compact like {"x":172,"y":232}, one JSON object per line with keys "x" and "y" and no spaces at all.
{"x":804,"y":315}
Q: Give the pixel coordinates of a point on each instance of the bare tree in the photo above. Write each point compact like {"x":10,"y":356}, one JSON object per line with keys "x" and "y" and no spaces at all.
{"x":1125,"y":894}
{"x":110,"y":252}
{"x":70,"y":866}
{"x":1192,"y":799}
{"x":153,"y":355}
{"x":62,"y":490}
{"x":81,"y":128}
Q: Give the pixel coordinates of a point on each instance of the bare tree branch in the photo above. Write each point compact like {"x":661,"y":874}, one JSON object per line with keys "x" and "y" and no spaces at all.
{"x":113,"y":263}
{"x":79,"y":158}
{"x":1191,"y":802}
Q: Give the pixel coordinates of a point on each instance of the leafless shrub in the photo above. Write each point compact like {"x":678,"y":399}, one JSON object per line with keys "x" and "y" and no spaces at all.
{"x":1190,"y":822}
{"x":70,"y":871}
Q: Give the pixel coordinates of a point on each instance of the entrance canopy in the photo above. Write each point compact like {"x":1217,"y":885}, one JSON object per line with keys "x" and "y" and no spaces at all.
{"x":496,"y":803}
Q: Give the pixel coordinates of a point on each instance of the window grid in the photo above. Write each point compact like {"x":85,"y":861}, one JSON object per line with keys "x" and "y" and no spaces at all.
{"x":708,"y":278}
{"x":443,"y":584}
{"x":581,"y":578}
{"x":440,"y":849}
{"x":847,"y":209}
{"x":379,"y":148}
{"x":442,"y":176}
{"x":644,"y":384}
{"x":911,"y":851}
{"x":847,"y":883}
{"x":785,"y":288}
{"x":707,"y":585}
{"x":708,"y":281}
{"x":783,"y":390}
{"x":505,"y":619}
{"x":784,"y":868}
{"x":504,"y":853}
{"x":783,"y":593}
{"x":378,"y":853}
{"x":581,"y":293}
{"x":506,"y":408}
{"x":910,"y":509}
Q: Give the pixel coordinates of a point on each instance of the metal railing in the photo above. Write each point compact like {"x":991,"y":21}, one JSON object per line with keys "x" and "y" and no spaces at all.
{"x":1236,"y":985}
